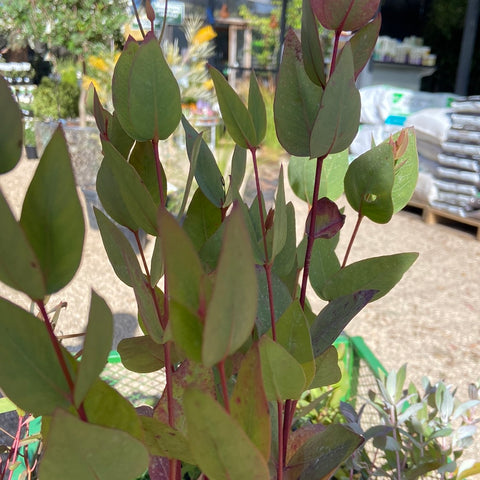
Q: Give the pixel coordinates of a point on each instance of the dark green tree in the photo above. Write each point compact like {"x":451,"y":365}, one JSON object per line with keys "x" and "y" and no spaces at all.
{"x":75,"y":28}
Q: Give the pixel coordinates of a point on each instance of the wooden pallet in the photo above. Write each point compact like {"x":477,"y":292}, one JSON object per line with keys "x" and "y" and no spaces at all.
{"x":432,"y":216}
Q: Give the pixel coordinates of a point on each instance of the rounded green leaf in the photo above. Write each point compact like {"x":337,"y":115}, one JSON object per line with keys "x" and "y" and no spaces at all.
{"x":52,"y":216}
{"x":81,"y":451}
{"x":338,"y":118}
{"x":19,"y":266}
{"x":123,"y":193}
{"x":221,"y":448}
{"x":141,"y":354}
{"x":30,"y":375}
{"x":164,"y":441}
{"x":11,"y":129}
{"x":297,"y":100}
{"x":322,"y":453}
{"x":293,"y":334}
{"x":202,"y":220}
{"x":376,"y":273}
{"x":369,"y":183}
{"x":283,"y":377}
{"x":237,"y":118}
{"x":406,"y":173}
{"x":121,"y":87}
{"x":145,"y":93}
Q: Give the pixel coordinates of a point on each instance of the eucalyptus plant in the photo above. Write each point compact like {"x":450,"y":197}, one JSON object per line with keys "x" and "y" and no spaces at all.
{"x":222,"y":302}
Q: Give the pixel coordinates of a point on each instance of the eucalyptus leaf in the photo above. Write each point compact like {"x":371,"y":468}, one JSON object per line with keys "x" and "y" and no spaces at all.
{"x":207,"y":173}
{"x":376,"y":273}
{"x":19,"y":266}
{"x":347,"y":15}
{"x":369,"y":183}
{"x":321,"y":454}
{"x":182,"y":265}
{"x":127,"y":268}
{"x":144,"y":88}
{"x":281,"y":301}
{"x":297,"y":100}
{"x":11,"y":129}
{"x":256,"y":108}
{"x":142,"y":159}
{"x":283,"y":376}
{"x":38,"y":385}
{"x":123,"y":193}
{"x":221,"y":448}
{"x":248,"y":402}
{"x":293,"y":334}
{"x":335,"y":316}
{"x":324,"y":262}
{"x":311,"y":47}
{"x":280,"y":219}
{"x":164,"y":441}
{"x":141,"y":354}
{"x":202,"y":220}
{"x":96,"y":347}
{"x":301,"y":174}
{"x":52,"y":217}
{"x":237,"y":118}
{"x":336,"y":124}
{"x":363,"y":42}
{"x":82,"y":451}
{"x":405,"y":172}
{"x":327,"y":371}
{"x":232,"y":309}
{"x":285,"y":259}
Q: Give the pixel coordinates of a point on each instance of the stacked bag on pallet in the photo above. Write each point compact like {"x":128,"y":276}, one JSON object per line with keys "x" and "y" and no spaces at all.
{"x":457,"y":175}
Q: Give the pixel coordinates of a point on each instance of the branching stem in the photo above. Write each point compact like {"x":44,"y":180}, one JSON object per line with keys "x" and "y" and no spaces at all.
{"x":352,"y":239}
{"x":311,"y":230}
{"x":138,"y":19}
{"x":158,"y":169}
{"x":267,"y":266}
{"x":60,"y":358}
{"x":223,"y":382}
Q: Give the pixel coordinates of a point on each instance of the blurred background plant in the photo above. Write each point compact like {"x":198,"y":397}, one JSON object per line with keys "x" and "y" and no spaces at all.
{"x":66,"y":29}
{"x":58,"y":96}
{"x":419,"y":433}
{"x":189,"y":65}
{"x":266,"y":31}
{"x":99,"y":72}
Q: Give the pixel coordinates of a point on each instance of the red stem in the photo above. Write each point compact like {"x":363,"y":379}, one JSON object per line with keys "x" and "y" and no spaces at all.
{"x":281,"y":441}
{"x":350,"y":243}
{"x":311,"y":231}
{"x":336,"y":41}
{"x":158,"y":168}
{"x":223,"y":381}
{"x":142,"y":254}
{"x":266,"y":265}
{"x":61,"y":359}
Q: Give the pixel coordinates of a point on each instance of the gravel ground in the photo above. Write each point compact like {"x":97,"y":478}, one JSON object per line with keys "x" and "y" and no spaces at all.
{"x":430,"y":320}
